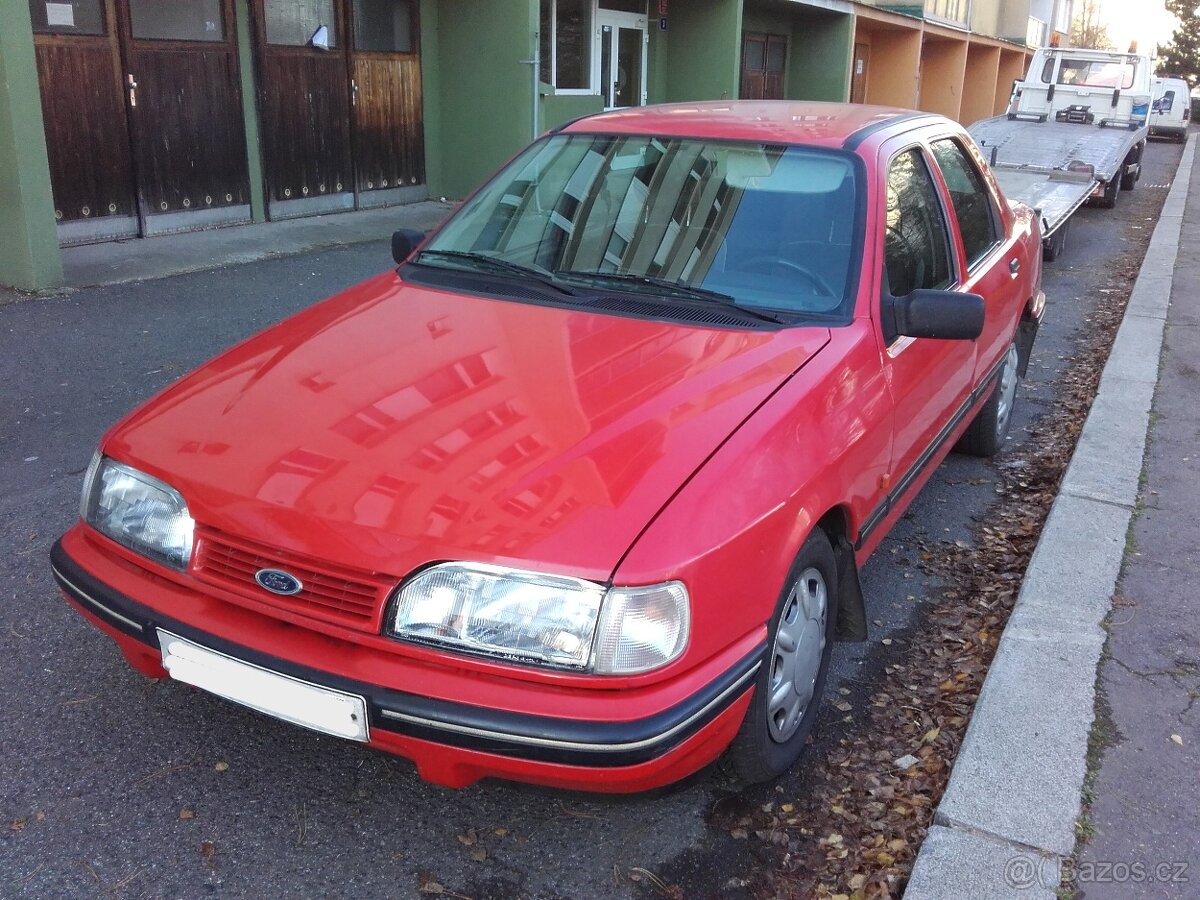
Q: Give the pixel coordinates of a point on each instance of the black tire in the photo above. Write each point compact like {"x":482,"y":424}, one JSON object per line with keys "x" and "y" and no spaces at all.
{"x":1054,"y":245}
{"x":1109,"y":198}
{"x":767,"y":745}
{"x":1129,"y":179}
{"x":987,"y":431}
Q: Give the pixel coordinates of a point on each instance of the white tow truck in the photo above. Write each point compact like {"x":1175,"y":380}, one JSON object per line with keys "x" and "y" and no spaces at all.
{"x":1075,"y":129}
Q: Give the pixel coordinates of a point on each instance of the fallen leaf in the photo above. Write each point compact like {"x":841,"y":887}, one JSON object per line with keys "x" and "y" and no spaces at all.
{"x":906,"y":762}
{"x":479,"y":854}
{"x":186,"y":813}
{"x":1177,"y":739}
{"x":18,"y":824}
{"x":222,"y":766}
{"x":467,"y":839}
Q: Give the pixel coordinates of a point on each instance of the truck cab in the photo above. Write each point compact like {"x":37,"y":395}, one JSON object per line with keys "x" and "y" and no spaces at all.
{"x":1085,"y":86}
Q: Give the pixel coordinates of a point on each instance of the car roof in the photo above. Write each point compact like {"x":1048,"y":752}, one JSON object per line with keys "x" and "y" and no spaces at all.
{"x":774,"y":121}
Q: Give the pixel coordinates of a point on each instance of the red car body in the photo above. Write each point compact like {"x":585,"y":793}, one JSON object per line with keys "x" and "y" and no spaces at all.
{"x":396,"y":425}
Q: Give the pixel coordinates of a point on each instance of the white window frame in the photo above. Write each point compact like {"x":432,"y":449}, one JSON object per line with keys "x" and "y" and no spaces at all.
{"x":592,"y":90}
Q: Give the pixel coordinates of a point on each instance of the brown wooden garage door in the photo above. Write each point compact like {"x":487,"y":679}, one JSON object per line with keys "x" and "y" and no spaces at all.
{"x":143,"y":115}
{"x":340,"y":100}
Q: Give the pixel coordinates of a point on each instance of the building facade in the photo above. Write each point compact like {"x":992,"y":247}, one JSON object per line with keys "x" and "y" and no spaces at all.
{"x":123,"y":118}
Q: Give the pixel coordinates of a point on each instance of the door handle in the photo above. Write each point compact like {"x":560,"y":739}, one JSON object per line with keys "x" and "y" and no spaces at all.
{"x":132,"y":85}
{"x":1014,"y":267}
{"x":353,"y":92}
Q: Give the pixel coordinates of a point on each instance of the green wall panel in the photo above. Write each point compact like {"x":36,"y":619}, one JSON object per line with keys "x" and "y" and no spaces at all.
{"x":704,"y":50}
{"x":247,"y":81}
{"x":560,"y":108}
{"x":482,"y":89}
{"x":819,"y":62}
{"x":29,"y":257}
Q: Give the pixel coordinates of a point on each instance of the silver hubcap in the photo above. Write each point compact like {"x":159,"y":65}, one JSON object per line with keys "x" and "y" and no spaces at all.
{"x":796,"y":656}
{"x":1008,"y":391}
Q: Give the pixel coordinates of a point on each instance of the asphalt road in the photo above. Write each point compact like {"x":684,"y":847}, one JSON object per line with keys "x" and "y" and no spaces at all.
{"x":113,"y":784}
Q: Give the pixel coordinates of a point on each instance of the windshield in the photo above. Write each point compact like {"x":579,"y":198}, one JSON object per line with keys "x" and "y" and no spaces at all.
{"x":764,"y":225}
{"x":1098,"y":72}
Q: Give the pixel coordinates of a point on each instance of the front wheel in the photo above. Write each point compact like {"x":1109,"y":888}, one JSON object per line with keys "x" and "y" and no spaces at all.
{"x":791,"y":679}
{"x":986,"y":433}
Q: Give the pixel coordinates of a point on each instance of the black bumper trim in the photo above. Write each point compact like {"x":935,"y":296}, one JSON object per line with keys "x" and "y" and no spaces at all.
{"x":519,"y":735}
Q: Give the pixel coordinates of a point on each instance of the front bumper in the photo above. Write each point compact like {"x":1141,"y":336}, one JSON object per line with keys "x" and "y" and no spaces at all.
{"x":452,"y":743}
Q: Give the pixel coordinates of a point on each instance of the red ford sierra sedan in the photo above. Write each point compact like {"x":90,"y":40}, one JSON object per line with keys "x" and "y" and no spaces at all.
{"x":578,"y":493}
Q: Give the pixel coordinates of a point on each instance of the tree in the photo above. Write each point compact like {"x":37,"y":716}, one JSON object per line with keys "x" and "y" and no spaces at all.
{"x":1181,"y":57}
{"x":1087,"y":29}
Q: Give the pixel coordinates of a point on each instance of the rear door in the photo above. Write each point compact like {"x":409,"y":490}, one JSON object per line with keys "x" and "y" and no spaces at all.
{"x":930,"y":380}
{"x":185,"y":105}
{"x":385,"y":84}
{"x":304,"y":106}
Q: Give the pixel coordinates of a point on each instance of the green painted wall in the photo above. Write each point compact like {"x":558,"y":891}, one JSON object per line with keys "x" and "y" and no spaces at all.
{"x":704,"y":50}
{"x":820,"y":45}
{"x":431,"y":85}
{"x":29,"y":257}
{"x":560,"y":108}
{"x":819,"y":62}
{"x":656,"y":64}
{"x":248,"y":80}
{"x":483,"y":90}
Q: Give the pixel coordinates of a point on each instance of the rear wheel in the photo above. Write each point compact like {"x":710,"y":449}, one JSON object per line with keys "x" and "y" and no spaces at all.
{"x":1109,"y":199}
{"x":985,"y":435}
{"x":1134,"y":159}
{"x":1055,"y":244}
{"x":787,"y":692}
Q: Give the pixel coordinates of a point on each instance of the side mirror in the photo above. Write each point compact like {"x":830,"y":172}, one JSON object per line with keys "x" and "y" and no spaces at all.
{"x":946,"y":315}
{"x":404,"y":242}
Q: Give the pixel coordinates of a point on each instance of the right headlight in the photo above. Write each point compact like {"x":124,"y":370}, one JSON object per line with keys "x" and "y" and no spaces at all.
{"x":138,"y":511}
{"x":551,"y":620}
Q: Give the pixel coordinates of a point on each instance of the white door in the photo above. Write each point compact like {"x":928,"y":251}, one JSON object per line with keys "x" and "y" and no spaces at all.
{"x":621,"y":58}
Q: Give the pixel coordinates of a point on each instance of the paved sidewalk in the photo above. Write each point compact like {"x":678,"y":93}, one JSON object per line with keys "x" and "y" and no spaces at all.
{"x":1146,"y":794}
{"x":1007,"y":824}
{"x":138,"y":259}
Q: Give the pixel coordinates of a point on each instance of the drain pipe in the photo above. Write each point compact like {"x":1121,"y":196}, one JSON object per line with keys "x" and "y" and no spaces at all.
{"x":535,"y":70}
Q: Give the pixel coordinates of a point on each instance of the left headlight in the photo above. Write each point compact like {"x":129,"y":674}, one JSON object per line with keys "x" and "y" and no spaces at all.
{"x":551,"y":620}
{"x":138,"y":511}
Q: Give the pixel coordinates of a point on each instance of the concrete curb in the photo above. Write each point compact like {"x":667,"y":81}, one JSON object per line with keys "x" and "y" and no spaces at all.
{"x":1007,"y":819}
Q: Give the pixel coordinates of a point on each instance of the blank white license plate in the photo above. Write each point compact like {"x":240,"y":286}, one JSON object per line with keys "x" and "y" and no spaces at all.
{"x":319,"y":708}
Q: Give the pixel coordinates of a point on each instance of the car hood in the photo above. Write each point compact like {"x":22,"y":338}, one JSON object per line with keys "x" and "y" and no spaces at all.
{"x":394,"y":425}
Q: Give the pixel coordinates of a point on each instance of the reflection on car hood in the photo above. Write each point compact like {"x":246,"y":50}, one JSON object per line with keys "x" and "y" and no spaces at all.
{"x":394,"y":425}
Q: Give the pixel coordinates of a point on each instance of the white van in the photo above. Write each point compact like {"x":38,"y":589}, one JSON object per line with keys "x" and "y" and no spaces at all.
{"x":1171,"y":110}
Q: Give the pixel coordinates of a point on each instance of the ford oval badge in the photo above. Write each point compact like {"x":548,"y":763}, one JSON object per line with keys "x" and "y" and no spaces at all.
{"x":278,"y":582}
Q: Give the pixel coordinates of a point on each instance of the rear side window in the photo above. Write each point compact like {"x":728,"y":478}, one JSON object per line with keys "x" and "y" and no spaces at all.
{"x":969,"y":194}
{"x":916,"y":243}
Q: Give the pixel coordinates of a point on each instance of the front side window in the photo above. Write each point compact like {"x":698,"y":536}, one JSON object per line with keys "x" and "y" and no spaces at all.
{"x":916,"y":240}
{"x":565,"y":44}
{"x":970,"y":197}
{"x":761,"y":225}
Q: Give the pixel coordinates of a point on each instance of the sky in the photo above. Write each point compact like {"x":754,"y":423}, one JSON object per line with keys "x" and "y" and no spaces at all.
{"x":1146,"y":21}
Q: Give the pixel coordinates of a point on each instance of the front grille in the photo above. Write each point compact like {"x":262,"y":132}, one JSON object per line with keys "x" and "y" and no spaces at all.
{"x":332,"y":593}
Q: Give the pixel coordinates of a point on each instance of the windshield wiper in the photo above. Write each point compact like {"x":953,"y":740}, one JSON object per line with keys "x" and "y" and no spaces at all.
{"x":674,"y":288}
{"x":495,"y":264}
